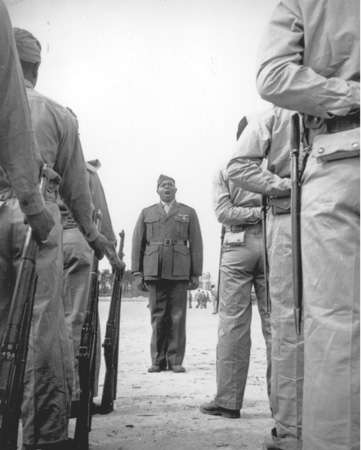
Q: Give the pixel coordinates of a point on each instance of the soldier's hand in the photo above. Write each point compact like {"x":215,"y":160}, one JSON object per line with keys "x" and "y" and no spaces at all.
{"x":98,"y":245}
{"x":193,"y":283}
{"x":140,"y":283}
{"x":41,"y":224}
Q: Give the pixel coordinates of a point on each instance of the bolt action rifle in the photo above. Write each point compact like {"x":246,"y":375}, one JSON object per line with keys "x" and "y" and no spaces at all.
{"x":296,"y":221}
{"x":264,"y":251}
{"x":111,"y":341}
{"x":223,"y":232}
{"x":87,"y":356}
{"x":14,"y":347}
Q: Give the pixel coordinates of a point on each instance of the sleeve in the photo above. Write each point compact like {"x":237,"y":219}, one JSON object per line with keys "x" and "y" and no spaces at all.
{"x":19,"y":155}
{"x":282,"y":78}
{"x":226,"y":212}
{"x":74,"y":187}
{"x":195,"y":245}
{"x":138,"y":244}
{"x":100,"y":203}
{"x":244,"y":169}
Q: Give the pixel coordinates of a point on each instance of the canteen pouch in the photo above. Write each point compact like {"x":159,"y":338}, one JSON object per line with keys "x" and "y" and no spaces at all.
{"x":234,"y":239}
{"x":341,"y":145}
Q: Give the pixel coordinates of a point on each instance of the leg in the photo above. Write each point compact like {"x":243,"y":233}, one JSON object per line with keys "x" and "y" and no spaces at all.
{"x":287,"y":347}
{"x":177,"y":313}
{"x":158,"y":298}
{"x":331,"y":274}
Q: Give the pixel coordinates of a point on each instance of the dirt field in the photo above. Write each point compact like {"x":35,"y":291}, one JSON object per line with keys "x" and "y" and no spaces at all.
{"x":161,"y":410}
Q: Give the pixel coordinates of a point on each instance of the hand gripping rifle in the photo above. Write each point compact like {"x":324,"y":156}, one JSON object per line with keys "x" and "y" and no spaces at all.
{"x":296,"y":221}
{"x":14,"y":347}
{"x":223,"y":232}
{"x":111,"y":341}
{"x":87,"y":356}
{"x":265,"y":256}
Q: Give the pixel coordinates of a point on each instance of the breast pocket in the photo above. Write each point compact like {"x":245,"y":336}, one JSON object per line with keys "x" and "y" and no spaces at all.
{"x":151,"y":261}
{"x":182,"y":223}
{"x":153,"y":226}
{"x":181,"y":261}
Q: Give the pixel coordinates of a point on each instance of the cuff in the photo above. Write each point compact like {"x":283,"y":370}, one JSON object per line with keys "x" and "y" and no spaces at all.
{"x":92,"y":234}
{"x":32,"y":203}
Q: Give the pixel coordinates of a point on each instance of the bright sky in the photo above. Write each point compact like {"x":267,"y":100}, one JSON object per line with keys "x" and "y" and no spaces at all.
{"x":158,"y":86}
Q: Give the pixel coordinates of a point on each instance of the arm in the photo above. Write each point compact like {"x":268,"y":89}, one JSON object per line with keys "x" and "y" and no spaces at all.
{"x":227,"y":213}
{"x":244,"y":168}
{"x":283,"y":77}
{"x":19,"y":155}
{"x":195,"y":246}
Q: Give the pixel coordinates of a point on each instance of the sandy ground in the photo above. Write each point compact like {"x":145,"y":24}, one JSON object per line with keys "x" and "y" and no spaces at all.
{"x":161,"y":410}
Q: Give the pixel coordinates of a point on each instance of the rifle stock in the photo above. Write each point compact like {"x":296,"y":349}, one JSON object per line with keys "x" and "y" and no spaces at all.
{"x":223,"y":232}
{"x":14,"y":347}
{"x":296,"y":221}
{"x":87,"y":357}
{"x":111,"y":341}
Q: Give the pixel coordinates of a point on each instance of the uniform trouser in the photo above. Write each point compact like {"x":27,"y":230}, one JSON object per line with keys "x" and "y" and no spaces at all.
{"x":331,"y":273}
{"x":48,"y":377}
{"x":168,"y":310}
{"x":287,"y":346}
{"x":76,"y":282}
{"x":241,"y":268}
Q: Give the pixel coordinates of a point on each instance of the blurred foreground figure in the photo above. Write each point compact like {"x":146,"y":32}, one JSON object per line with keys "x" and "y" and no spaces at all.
{"x":309,"y":61}
{"x":267,"y":136}
{"x":19,"y":155}
{"x":167,"y":259}
{"x":48,"y":377}
{"x":242,"y":267}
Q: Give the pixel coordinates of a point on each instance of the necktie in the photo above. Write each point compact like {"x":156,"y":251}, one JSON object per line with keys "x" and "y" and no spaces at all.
{"x":166,"y":208}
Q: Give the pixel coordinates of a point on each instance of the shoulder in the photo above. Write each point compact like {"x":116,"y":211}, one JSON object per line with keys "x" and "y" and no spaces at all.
{"x":185,"y":209}
{"x":49,"y":102}
{"x":149,"y":209}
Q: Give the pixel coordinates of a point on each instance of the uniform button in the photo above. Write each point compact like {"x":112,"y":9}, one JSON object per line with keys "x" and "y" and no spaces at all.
{"x":321,"y":150}
{"x":285,"y":202}
{"x":355,"y":145}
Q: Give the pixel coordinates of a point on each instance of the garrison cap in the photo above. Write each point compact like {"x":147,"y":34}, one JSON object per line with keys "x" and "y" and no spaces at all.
{"x":28,"y":46}
{"x":162,"y":178}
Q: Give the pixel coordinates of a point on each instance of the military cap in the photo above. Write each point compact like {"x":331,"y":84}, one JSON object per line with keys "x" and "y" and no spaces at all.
{"x":162,"y":178}
{"x":28,"y":46}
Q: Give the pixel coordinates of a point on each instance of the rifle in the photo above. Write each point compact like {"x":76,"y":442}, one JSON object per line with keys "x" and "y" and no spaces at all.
{"x":87,"y":356}
{"x":296,"y":222}
{"x":14,"y":347}
{"x":264,"y":250}
{"x":223,"y":232}
{"x":111,"y":340}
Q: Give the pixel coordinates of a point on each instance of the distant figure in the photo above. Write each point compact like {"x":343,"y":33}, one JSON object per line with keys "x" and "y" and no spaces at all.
{"x":167,"y":259}
{"x":190,"y":299}
{"x":198,"y":298}
{"x":214,"y":298}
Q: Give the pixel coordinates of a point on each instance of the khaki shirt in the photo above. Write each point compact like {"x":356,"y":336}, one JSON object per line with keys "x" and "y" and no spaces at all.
{"x":19,"y":155}
{"x":233,"y":205}
{"x":309,"y":53}
{"x":60,"y":147}
{"x":267,"y":135}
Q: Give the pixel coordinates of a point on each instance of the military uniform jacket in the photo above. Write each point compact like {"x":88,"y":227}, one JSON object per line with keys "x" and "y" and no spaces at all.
{"x":167,"y":246}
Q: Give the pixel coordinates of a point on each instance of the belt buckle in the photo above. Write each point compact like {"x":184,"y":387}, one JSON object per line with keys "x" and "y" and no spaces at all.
{"x":167,"y":242}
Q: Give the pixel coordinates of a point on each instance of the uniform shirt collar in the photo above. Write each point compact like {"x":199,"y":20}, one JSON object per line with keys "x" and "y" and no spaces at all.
{"x":170,"y":203}
{"x":29,"y":84}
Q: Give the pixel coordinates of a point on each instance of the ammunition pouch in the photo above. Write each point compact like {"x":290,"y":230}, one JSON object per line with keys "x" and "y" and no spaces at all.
{"x":280,"y":205}
{"x":341,"y":145}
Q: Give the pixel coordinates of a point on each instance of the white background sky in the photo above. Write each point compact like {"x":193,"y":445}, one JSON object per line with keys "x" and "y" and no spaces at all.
{"x":158,"y":86}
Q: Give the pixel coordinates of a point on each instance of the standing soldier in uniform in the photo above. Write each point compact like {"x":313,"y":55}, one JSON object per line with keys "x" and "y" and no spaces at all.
{"x":309,"y":61}
{"x":19,"y":155}
{"x":242,"y":267}
{"x":77,"y":267}
{"x":267,"y":135}
{"x":167,"y":259}
{"x":48,"y":377}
